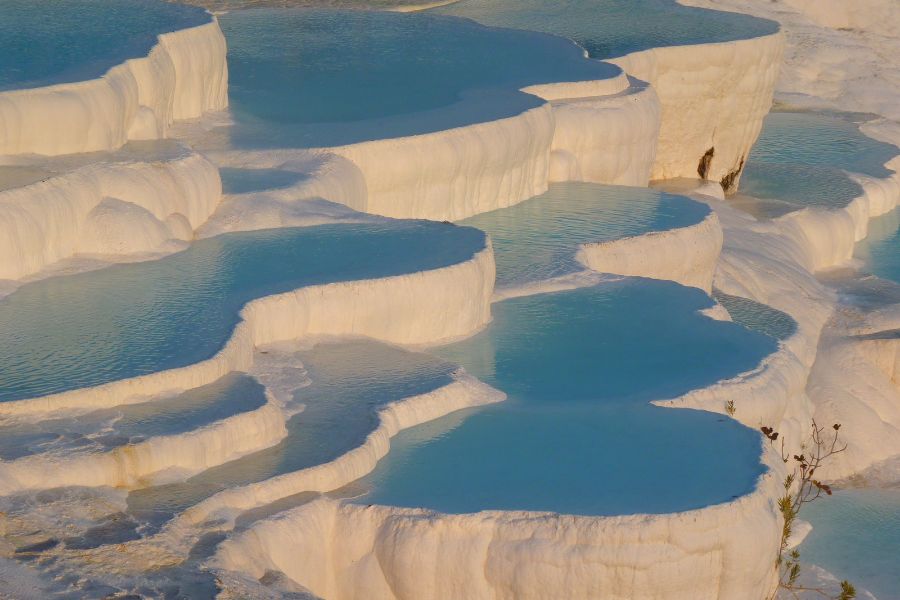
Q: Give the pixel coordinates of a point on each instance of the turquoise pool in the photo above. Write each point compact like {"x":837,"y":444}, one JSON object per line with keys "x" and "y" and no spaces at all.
{"x":296,"y":77}
{"x":104,"y":429}
{"x":83,"y":330}
{"x":609,"y":28}
{"x":349,"y":381}
{"x":855,"y":536}
{"x":577,"y":434}
{"x":801,"y":158}
{"x":537,"y":239}
{"x":880,"y":251}
{"x":44,"y":42}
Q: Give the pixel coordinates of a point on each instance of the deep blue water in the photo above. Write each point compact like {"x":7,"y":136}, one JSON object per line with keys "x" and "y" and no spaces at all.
{"x":537,"y":239}
{"x":350,"y":380}
{"x":305,"y":77}
{"x":577,"y":434}
{"x":610,"y":28}
{"x":82,"y":330}
{"x":855,"y":536}
{"x":44,"y":42}
{"x":801,"y":158}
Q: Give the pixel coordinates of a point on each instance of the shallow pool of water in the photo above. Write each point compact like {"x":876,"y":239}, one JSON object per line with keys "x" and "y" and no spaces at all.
{"x":297,"y":77}
{"x":244,"y":181}
{"x":880,"y":251}
{"x":82,"y":330}
{"x":44,"y":42}
{"x":538,"y":239}
{"x":104,"y":429}
{"x":349,"y":381}
{"x":609,"y":28}
{"x":855,"y":536}
{"x":756,"y":316}
{"x":802,"y":158}
{"x":577,"y":433}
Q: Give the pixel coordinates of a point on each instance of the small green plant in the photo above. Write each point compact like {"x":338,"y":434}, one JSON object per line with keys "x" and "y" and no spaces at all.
{"x":729,"y":408}
{"x":800,"y":488}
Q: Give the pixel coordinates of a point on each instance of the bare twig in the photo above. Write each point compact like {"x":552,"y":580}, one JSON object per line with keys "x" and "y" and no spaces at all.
{"x":800,"y":488}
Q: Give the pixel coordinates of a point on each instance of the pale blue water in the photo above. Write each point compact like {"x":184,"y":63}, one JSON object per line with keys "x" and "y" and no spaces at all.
{"x":82,"y":330}
{"x":350,"y":381}
{"x":822,"y":139}
{"x":301,"y":78}
{"x":609,"y":28}
{"x":233,"y":394}
{"x":756,"y":316}
{"x":43,"y":42}
{"x":537,"y":239}
{"x":577,"y":434}
{"x":243,"y":181}
{"x":856,"y":536}
{"x":880,"y":251}
{"x":801,"y":158}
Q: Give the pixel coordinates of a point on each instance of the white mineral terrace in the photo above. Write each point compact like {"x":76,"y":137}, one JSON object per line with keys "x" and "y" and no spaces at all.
{"x":184,"y":75}
{"x":669,"y":107}
{"x":601,"y":131}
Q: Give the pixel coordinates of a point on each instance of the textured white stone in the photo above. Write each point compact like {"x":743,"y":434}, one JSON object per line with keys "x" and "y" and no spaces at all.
{"x":157,"y":458}
{"x":105,"y":208}
{"x":601,"y":131}
{"x":418,"y":308}
{"x":712,"y":96}
{"x":606,"y":139}
{"x":687,"y":255}
{"x":341,"y":551}
{"x":464,"y":392}
{"x":184,"y":75}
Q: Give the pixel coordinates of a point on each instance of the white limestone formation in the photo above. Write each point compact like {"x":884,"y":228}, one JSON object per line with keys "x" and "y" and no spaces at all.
{"x":340,"y":551}
{"x":834,"y":376}
{"x":154,"y":460}
{"x":109,"y":209}
{"x":701,"y":98}
{"x":606,"y":139}
{"x":713,"y":98}
{"x":184,"y":75}
{"x":687,"y":255}
{"x":464,"y":392}
{"x":601,"y":131}
{"x":419,"y":308}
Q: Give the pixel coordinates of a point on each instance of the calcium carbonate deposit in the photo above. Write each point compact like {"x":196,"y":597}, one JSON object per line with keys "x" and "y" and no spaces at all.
{"x":485,"y":299}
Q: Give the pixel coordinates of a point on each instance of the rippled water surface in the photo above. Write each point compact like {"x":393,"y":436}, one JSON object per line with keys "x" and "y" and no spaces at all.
{"x":801,"y":158}
{"x":243,"y":181}
{"x":349,"y":381}
{"x":577,"y":434}
{"x":880,"y":251}
{"x":538,"y":239}
{"x":855,"y":536}
{"x":43,"y":42}
{"x":71,"y":332}
{"x":103,"y":429}
{"x":608,"y":28}
{"x":756,"y":316}
{"x":301,"y":78}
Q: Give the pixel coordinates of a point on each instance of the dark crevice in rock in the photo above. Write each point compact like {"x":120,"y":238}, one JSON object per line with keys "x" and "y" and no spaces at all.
{"x":729,"y":182}
{"x":705,"y":163}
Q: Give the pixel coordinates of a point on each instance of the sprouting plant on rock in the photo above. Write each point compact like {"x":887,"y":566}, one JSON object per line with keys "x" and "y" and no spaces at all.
{"x":800,"y":488}
{"x":729,"y":408}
